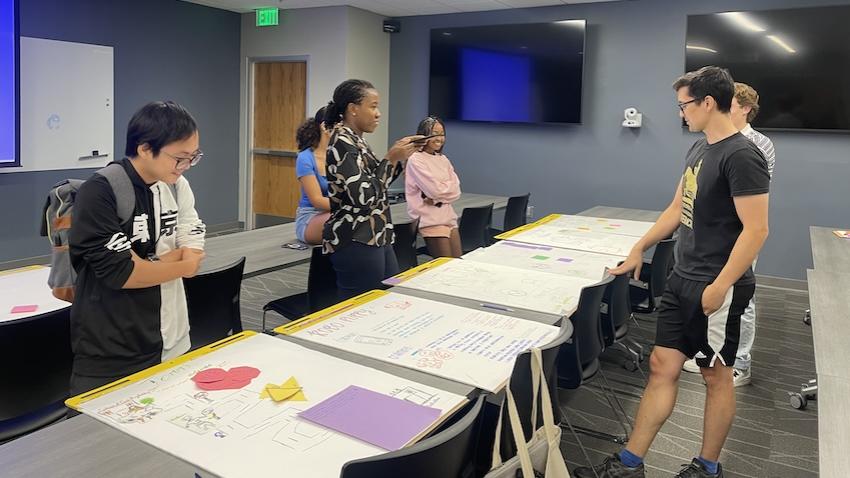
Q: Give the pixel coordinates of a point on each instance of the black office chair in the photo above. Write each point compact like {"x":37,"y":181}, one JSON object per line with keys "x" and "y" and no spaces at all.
{"x":515,"y":215}
{"x":213,"y":302}
{"x":449,"y":453}
{"x":646,"y":292}
{"x":37,"y":358}
{"x":578,"y":365}
{"x":321,"y":291}
{"x":521,"y":387}
{"x":615,"y":313}
{"x":474,"y":227}
{"x":405,"y":244}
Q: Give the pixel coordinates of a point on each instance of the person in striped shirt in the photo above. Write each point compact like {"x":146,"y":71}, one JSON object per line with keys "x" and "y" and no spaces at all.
{"x":745,"y":107}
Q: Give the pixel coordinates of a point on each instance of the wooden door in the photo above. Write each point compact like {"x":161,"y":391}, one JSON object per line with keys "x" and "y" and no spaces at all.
{"x":280,"y":91}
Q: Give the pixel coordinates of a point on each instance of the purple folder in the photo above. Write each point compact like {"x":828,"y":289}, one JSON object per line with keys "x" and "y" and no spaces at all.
{"x":373,"y":417}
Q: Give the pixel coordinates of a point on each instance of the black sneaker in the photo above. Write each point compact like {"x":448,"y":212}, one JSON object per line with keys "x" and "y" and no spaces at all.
{"x":612,"y":467}
{"x":697,"y":470}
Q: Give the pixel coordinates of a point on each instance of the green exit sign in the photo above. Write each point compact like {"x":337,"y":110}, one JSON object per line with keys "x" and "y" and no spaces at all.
{"x":267,"y":17}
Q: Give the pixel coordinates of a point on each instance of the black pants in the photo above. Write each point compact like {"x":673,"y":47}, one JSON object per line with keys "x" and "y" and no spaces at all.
{"x":361,"y":268}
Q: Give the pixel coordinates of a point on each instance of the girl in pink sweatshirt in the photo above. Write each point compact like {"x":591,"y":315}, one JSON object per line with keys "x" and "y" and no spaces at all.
{"x":431,"y":186}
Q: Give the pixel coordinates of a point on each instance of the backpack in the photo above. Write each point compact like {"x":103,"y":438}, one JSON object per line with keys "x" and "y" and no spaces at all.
{"x":56,"y":222}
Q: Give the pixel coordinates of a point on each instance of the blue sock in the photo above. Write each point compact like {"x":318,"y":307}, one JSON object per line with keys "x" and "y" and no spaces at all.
{"x":710,"y":466}
{"x":630,"y":459}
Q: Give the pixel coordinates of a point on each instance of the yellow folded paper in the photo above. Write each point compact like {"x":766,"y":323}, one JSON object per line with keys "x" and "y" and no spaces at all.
{"x":288,"y":390}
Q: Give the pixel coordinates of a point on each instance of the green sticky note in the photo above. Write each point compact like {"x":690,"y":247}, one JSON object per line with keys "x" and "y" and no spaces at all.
{"x":541,"y":258}
{"x":146,"y":401}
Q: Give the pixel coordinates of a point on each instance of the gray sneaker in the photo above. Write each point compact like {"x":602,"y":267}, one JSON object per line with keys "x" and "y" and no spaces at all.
{"x":612,"y":467}
{"x":697,"y":470}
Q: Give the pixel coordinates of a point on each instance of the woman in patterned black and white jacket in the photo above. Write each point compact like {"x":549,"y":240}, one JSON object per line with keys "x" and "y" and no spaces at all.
{"x":359,"y":232}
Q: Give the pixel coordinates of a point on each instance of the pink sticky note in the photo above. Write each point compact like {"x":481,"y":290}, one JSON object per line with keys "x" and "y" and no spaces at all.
{"x":23,"y":309}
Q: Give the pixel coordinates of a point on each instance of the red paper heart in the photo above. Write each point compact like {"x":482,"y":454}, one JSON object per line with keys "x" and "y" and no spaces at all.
{"x":210,"y":375}
{"x":220,"y":379}
{"x":227,"y":384}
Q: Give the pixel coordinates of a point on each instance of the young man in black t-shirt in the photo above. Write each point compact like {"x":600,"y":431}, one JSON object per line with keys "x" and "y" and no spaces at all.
{"x":720,"y":210}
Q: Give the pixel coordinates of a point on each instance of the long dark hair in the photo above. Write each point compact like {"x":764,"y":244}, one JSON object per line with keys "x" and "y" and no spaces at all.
{"x":426,"y":127}
{"x":309,"y":133}
{"x":349,"y":91}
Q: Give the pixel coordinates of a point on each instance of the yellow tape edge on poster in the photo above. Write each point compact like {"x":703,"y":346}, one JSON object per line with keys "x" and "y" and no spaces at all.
{"x":539,"y":222}
{"x":76,"y":402}
{"x":329,"y":312}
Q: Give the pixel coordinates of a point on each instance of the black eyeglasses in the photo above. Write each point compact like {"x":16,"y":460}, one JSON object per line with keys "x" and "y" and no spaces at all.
{"x":686,"y":103}
{"x":183,"y":163}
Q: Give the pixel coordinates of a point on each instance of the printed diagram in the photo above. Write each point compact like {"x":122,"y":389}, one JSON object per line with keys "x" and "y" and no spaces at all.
{"x":591,"y":241}
{"x":496,"y":284}
{"x":414,"y":395}
{"x":235,"y":414}
{"x":133,"y":410}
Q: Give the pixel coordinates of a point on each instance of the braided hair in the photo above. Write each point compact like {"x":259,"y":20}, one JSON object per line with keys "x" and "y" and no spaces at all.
{"x":348,"y":92}
{"x":426,"y":128}
{"x":309,"y":133}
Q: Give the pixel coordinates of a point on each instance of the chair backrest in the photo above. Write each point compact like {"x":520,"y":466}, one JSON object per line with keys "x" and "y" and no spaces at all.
{"x":321,"y":281}
{"x":521,"y":387}
{"x":213,"y":302}
{"x":405,"y":244}
{"x":662,"y":260}
{"x":474,"y":227}
{"x":616,"y":308}
{"x":37,"y":358}
{"x":586,"y":321}
{"x":449,"y":453}
{"x":515,"y":212}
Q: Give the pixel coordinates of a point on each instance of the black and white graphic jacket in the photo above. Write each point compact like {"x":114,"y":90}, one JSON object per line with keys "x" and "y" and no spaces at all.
{"x":117,"y":331}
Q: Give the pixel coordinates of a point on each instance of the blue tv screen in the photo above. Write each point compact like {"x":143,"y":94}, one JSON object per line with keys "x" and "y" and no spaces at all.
{"x":8,"y":83}
{"x":523,"y":73}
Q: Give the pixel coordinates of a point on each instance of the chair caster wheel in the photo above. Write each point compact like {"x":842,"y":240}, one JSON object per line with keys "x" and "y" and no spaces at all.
{"x":797,"y":400}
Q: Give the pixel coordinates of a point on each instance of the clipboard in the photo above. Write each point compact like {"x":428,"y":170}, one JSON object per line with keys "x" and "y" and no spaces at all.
{"x":77,"y":401}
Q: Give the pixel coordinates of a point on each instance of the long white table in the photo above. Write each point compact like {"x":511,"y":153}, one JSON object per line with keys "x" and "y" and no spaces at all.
{"x":27,"y":286}
{"x":829,"y":252}
{"x":829,"y":299}
{"x":262,"y":247}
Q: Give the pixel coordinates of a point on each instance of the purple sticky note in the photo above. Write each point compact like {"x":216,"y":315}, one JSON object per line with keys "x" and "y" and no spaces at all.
{"x":373,"y":417}
{"x":565,"y":259}
{"x":23,"y":309}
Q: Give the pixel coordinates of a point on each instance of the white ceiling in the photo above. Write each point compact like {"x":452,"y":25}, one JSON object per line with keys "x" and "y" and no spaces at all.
{"x":392,"y":8}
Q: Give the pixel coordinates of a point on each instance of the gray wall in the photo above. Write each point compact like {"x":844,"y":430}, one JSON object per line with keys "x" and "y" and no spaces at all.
{"x":164,"y":49}
{"x":634,"y":51}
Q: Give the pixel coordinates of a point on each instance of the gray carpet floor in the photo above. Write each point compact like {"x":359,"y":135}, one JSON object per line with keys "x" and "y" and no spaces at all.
{"x":768,"y":438}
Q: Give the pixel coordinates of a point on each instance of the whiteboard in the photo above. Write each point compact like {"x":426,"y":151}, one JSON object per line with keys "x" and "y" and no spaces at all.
{"x":67,"y":105}
{"x":234,"y":433}
{"x":496,"y":285}
{"x":567,"y":262}
{"x":465,"y":345}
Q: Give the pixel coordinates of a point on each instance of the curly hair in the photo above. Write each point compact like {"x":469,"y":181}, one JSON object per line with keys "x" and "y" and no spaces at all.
{"x":310,"y":131}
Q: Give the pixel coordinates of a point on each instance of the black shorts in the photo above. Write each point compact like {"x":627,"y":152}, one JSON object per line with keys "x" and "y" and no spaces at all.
{"x":683,"y":326}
